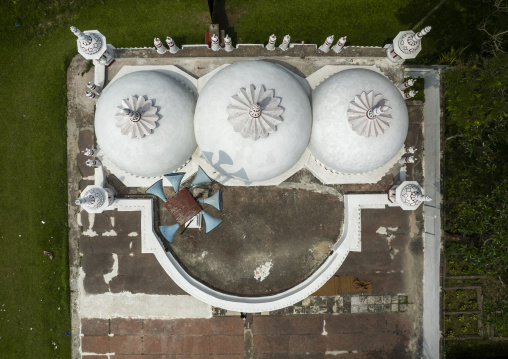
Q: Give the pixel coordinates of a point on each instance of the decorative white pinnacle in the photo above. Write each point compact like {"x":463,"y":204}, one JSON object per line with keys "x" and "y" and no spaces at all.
{"x":340,"y":44}
{"x":407,"y":84}
{"x":410,"y":94}
{"x":409,"y":42}
{"x":423,"y":32}
{"x":158,"y":45}
{"x":271,"y":42}
{"x":90,"y":43}
{"x":215,"y":43}
{"x":89,"y":152}
{"x":92,"y":197}
{"x":93,"y":163}
{"x":405,"y":160}
{"x":137,"y":117}
{"x":255,"y":112}
{"x":326,"y":46}
{"x":423,"y":198}
{"x":285,"y":43}
{"x":173,"y":49}
{"x":94,"y":87}
{"x":92,"y":95}
{"x":228,"y":46}
{"x":369,"y":115}
{"x":411,"y":149}
{"x":79,"y":33}
{"x":412,"y":195}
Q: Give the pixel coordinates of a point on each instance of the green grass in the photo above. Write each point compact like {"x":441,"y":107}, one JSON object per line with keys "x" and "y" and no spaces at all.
{"x":33,"y":61}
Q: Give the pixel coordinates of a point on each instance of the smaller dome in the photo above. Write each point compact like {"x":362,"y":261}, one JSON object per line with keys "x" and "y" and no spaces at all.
{"x":360,"y":121}
{"x":144,"y":123}
{"x":253,"y":120}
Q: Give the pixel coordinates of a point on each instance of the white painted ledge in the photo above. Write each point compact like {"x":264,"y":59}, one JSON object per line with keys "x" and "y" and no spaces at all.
{"x":432,"y":210}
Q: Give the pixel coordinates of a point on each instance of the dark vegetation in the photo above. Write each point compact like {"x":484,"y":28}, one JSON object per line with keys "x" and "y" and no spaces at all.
{"x":476,"y":176}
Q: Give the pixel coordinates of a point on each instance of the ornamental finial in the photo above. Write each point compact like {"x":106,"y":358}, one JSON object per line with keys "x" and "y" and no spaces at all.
{"x":137,"y":117}
{"x":285,"y":43}
{"x":423,"y":32}
{"x":78,"y":33}
{"x":340,"y":44}
{"x":228,"y":46}
{"x":271,"y":42}
{"x":254,"y":112}
{"x":369,"y":114}
{"x":326,"y":46}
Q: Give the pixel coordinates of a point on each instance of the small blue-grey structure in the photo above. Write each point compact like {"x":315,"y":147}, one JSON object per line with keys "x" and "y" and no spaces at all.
{"x":210,"y":222}
{"x":175,"y":179}
{"x":157,"y":190}
{"x":201,"y":177}
{"x":168,"y":232}
{"x":215,"y":200}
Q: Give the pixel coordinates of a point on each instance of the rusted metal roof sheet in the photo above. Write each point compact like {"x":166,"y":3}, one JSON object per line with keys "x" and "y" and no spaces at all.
{"x":182,"y":206}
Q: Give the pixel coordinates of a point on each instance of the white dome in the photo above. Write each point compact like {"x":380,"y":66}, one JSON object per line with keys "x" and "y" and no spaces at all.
{"x":163,"y":136}
{"x":344,"y":138}
{"x":249,"y":142}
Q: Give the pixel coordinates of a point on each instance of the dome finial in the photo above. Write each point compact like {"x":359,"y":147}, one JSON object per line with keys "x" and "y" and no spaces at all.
{"x":369,"y":115}
{"x":137,"y":117}
{"x":255,"y":112}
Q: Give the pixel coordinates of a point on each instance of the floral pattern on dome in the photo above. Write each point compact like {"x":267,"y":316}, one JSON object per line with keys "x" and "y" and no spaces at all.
{"x":369,"y":114}
{"x":254,"y":112}
{"x":137,"y":117}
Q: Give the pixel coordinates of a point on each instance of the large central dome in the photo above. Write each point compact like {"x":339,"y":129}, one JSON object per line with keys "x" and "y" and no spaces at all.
{"x":144,"y":123}
{"x":253,"y":120}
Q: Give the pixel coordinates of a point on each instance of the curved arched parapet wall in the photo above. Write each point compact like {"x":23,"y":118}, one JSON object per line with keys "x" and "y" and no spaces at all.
{"x":350,"y":240}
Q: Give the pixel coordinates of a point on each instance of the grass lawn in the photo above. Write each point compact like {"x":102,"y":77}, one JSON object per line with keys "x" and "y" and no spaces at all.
{"x":34,"y":299}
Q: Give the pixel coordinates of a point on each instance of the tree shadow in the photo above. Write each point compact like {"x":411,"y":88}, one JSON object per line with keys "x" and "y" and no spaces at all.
{"x":219,"y":16}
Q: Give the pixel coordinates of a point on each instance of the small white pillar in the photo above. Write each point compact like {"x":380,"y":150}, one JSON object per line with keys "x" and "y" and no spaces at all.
{"x":411,"y":149}
{"x":215,"y":43}
{"x":173,"y":49}
{"x":90,"y":152}
{"x":92,"y":95}
{"x":326,"y":46}
{"x":84,"y":200}
{"x":405,"y":160}
{"x":407,"y":84}
{"x":340,"y":44}
{"x":285,"y":43}
{"x":158,"y":45}
{"x":93,"y":163}
{"x":423,"y":32}
{"x":94,"y":87}
{"x":422,"y":198}
{"x":271,"y":42}
{"x":228,"y":45}
{"x":410,"y":94}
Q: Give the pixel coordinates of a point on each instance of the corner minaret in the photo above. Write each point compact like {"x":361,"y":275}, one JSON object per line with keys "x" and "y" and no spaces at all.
{"x":92,"y":46}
